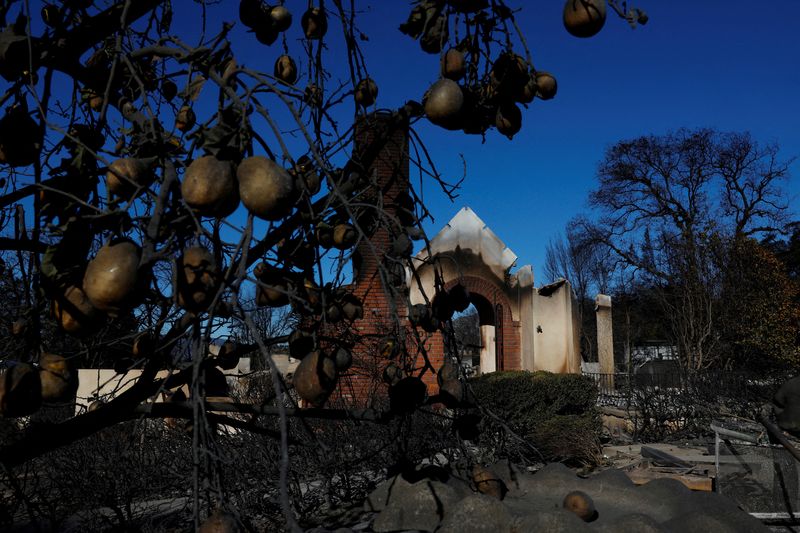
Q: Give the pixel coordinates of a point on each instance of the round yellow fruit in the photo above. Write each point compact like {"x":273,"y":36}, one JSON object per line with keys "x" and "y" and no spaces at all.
{"x":266,"y":188}
{"x":285,"y":69}
{"x":584,"y":18}
{"x":487,"y":482}
{"x":315,"y":378}
{"x":209,"y":187}
{"x":443,"y":102}
{"x":110,"y":277}
{"x":344,"y":236}
{"x":546,"y":86}
{"x":366,"y":92}
{"x":314,"y":23}
{"x":74,"y":311}
{"x":185,"y":119}
{"x":281,"y":17}
{"x":198,"y":278}
{"x":454,"y":65}
{"x":127,"y":174}
{"x":59,"y":380}
{"x":581,"y":504}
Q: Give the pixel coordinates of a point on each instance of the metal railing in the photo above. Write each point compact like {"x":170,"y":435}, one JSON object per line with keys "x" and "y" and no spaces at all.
{"x":617,"y":387}
{"x":682,"y":403}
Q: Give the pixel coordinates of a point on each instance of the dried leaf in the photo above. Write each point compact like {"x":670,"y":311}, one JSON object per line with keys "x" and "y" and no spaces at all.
{"x":192,"y":91}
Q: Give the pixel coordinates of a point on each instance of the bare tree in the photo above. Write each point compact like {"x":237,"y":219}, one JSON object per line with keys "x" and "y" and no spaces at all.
{"x":588,"y":266}
{"x":671,"y":205}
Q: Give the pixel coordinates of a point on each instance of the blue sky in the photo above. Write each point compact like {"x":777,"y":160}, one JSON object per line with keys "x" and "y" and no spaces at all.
{"x":732,"y":65}
{"x":729,"y":65}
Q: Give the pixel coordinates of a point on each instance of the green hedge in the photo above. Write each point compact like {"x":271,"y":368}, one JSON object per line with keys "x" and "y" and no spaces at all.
{"x":556,"y":413}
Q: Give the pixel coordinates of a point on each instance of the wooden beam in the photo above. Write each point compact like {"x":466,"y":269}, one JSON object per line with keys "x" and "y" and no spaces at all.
{"x":699,"y":483}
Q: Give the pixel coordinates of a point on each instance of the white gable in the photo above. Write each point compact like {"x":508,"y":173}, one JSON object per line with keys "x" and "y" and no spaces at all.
{"x":466,"y":231}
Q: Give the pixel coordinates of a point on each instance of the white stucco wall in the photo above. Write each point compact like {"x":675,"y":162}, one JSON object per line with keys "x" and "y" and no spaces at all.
{"x":555,"y":337}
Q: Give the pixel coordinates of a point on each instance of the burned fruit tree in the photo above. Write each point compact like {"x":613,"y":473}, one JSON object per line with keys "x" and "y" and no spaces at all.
{"x":156,"y":190}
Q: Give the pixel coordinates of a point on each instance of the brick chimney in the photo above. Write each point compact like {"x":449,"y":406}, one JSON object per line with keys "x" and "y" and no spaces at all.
{"x":381,"y":153}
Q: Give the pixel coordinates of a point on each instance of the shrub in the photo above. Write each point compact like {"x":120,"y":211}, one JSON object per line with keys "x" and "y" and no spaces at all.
{"x":555,"y":413}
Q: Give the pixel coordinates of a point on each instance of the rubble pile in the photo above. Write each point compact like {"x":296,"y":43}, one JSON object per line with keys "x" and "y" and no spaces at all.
{"x":554,"y":499}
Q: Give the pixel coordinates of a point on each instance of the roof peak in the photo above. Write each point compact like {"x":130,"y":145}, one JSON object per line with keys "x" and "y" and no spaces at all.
{"x":467,"y":231}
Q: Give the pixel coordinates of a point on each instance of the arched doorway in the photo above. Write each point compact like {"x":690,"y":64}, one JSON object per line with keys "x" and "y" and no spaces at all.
{"x":479,"y":331}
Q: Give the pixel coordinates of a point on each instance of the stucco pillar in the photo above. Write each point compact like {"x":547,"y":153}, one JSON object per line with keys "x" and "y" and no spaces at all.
{"x":488,"y":351}
{"x":526,"y":315}
{"x":605,"y":339}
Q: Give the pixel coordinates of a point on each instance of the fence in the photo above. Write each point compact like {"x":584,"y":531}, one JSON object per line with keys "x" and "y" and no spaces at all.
{"x":621,"y":389}
{"x":675,"y":404}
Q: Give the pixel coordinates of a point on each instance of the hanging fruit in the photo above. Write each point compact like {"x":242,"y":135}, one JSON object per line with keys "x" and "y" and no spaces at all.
{"x":454,"y":64}
{"x":324,"y":235}
{"x":314,"y":23}
{"x":509,"y":75}
{"x":198,"y":279}
{"x":169,"y":90}
{"x":110,"y":278}
{"x":144,"y":344}
{"x":185,"y":119}
{"x":74,"y":312}
{"x":20,"y":138}
{"x":477,"y":116}
{"x":333,"y":311}
{"x":300,"y":343}
{"x":251,"y":13}
{"x":285,"y":69}
{"x":441,"y":307}
{"x":407,"y":395}
{"x":94,"y":100}
{"x":459,"y":298}
{"x":297,"y":253}
{"x":584,"y":18}
{"x":352,"y":308}
{"x":126,"y":175}
{"x":527,"y":92}
{"x":59,"y":380}
{"x":273,"y":287}
{"x":209,"y":187}
{"x":402,"y":246}
{"x":442,"y":103}
{"x":266,"y":34}
{"x":345,"y":236}
{"x":392,"y":374}
{"x":508,"y":119}
{"x":315,"y":378}
{"x":267,"y":190}
{"x":389,"y":348}
{"x":281,"y":18}
{"x":307,"y":179}
{"x":366,"y":92}
{"x":342,"y":358}
{"x":546,"y":86}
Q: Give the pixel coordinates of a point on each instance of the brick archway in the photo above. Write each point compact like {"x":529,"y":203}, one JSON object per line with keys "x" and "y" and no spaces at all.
{"x":507,"y":330}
